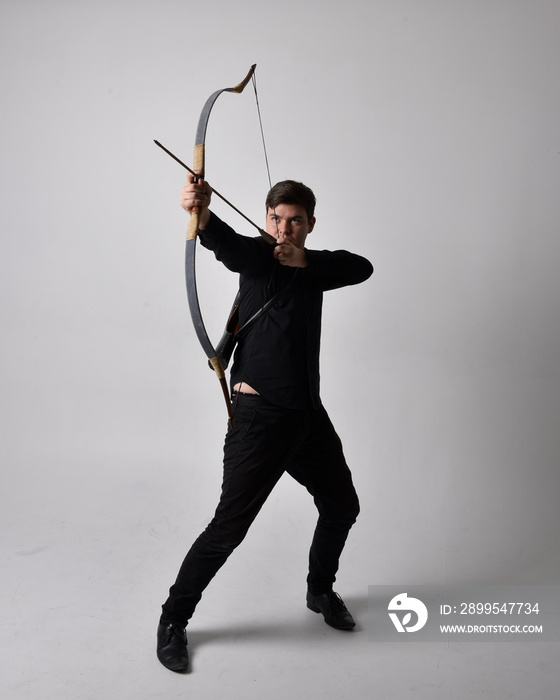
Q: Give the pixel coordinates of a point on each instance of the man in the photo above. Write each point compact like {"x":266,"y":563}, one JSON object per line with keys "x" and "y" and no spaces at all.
{"x":279,"y":422}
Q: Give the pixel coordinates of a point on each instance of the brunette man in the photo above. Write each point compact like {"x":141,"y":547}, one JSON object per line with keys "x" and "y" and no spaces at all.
{"x":280,"y":424}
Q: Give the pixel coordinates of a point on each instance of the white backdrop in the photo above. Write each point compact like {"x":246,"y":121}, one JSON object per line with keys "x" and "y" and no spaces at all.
{"x":429,"y":133}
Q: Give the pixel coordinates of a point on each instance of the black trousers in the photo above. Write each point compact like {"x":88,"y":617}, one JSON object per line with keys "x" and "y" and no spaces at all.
{"x":266,"y":442}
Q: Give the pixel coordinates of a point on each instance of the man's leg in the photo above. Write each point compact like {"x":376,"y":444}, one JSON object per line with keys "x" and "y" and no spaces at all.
{"x":321,"y":467}
{"x":255,"y":456}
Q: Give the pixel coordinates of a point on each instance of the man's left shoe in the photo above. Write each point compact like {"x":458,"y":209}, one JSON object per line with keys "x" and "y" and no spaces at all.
{"x":333,"y":609}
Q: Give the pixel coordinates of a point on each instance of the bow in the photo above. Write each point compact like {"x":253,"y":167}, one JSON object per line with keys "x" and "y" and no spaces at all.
{"x":190,"y":251}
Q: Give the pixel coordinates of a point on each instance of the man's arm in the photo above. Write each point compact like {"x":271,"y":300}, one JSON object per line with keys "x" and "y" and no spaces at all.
{"x":238,"y":253}
{"x":337,"y":268}
{"x":243,"y":254}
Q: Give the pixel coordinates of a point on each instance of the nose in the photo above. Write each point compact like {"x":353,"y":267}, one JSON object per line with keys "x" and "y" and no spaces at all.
{"x":285,"y":228}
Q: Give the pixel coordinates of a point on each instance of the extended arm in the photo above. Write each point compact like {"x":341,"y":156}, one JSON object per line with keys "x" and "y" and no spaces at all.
{"x":337,"y":268}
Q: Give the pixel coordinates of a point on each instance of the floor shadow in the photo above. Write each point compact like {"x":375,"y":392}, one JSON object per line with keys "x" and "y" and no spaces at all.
{"x":307,"y":626}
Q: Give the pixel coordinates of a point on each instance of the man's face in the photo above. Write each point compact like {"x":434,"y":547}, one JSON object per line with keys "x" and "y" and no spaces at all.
{"x":289,"y":222}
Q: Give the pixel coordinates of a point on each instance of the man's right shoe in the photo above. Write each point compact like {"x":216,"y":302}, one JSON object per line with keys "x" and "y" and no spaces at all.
{"x":172,"y":646}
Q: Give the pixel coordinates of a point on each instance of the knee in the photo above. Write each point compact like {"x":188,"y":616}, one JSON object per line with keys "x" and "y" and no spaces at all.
{"x":349,"y":509}
{"x":352,"y":510}
{"x":342,"y":514}
{"x":355,"y":510}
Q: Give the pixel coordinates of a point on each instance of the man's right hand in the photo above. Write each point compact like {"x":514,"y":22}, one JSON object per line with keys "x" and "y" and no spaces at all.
{"x":197,"y":194}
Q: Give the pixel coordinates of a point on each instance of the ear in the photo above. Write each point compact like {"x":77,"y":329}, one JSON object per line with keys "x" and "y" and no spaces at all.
{"x":311,"y":224}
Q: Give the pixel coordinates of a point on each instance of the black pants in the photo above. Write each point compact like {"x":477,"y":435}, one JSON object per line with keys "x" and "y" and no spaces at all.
{"x":266,"y":442}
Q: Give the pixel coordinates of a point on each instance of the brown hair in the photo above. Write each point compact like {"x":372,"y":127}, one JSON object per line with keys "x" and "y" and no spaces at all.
{"x":291,"y":192}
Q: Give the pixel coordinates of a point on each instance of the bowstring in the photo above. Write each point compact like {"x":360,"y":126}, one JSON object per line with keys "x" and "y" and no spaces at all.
{"x":254,"y":80}
{"x":267,"y":296}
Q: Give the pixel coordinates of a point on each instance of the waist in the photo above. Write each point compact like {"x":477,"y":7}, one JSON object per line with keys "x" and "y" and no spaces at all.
{"x":244,"y":389}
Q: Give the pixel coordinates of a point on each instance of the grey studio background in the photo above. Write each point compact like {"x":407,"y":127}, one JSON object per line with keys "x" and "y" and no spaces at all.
{"x":429,"y":132}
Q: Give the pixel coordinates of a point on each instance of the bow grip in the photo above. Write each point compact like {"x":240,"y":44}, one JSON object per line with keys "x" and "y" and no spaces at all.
{"x":198,"y":166}
{"x":192,"y":228}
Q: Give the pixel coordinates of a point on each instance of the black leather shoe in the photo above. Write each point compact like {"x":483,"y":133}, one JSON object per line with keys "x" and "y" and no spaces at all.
{"x":333,"y":609}
{"x":172,"y":646}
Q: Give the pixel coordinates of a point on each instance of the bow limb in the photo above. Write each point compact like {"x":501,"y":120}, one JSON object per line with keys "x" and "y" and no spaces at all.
{"x":190,"y":251}
{"x":199,"y":148}
{"x":198,"y":323}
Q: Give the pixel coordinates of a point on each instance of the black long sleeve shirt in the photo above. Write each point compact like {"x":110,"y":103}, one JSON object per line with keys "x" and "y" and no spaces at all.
{"x":279,"y":354}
